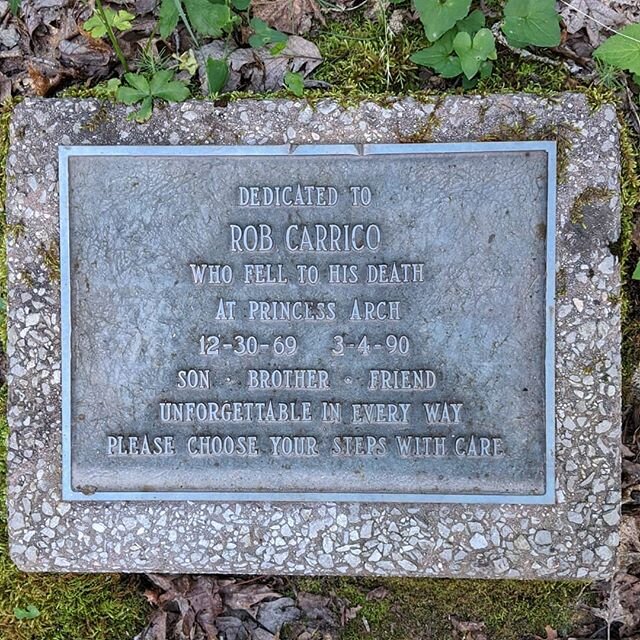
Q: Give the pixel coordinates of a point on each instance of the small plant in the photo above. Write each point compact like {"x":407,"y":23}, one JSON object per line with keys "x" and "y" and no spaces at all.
{"x":199,"y":17}
{"x":186,"y":62}
{"x":531,"y":23}
{"x":217,"y":74}
{"x":215,"y":19}
{"x":98,"y":28}
{"x":462,"y":45}
{"x":622,"y":51}
{"x":438,"y":17}
{"x":142,"y":89}
{"x":104,"y":21}
{"x":264,"y":35}
{"x":467,"y":47}
{"x":294,"y":82}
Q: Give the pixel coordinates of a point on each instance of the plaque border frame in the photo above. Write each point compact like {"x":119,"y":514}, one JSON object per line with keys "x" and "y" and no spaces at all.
{"x":65,"y":152}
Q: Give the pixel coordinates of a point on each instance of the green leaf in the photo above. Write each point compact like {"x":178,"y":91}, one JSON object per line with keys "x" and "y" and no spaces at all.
{"x":207,"y":18}
{"x":142,"y":90}
{"x":174,"y":91}
{"x":96,"y":26}
{"x":438,"y":16}
{"x":162,"y":86}
{"x":167,"y":18}
{"x":264,"y":34}
{"x":144,"y":112}
{"x":474,"y":51}
{"x":128,"y":95}
{"x":622,"y":50}
{"x":472,"y":23}
{"x":217,"y":74}
{"x":278,"y":48}
{"x":636,"y":272}
{"x":14,"y":6}
{"x":294,"y":82}
{"x":486,"y":69}
{"x":122,"y":20}
{"x":469,"y":83}
{"x":113,"y":84}
{"x":138,"y":81}
{"x":29,"y":613}
{"x":240,"y":5}
{"x":531,"y":22}
{"x":186,"y":62}
{"x":158,"y":80}
{"x":440,"y":57}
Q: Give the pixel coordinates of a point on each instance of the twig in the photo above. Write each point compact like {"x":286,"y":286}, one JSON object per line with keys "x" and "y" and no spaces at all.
{"x":185,"y":20}
{"x":527,"y":55}
{"x":112,"y":35}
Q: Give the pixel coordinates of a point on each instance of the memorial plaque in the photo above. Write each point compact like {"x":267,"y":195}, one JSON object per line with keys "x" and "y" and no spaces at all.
{"x":283,"y":339}
{"x":322,"y":323}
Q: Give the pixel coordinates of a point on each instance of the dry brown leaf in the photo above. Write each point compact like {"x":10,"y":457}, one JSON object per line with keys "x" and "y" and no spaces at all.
{"x":257,"y":69}
{"x":317,"y":608}
{"x":629,"y":537}
{"x":592,"y":15}
{"x":90,"y":55}
{"x":275,"y":613}
{"x":630,"y":9}
{"x":187,"y":608}
{"x":378,"y":593}
{"x":467,"y":629}
{"x":350,"y":613}
{"x":156,"y":629}
{"x":628,"y":595}
{"x":245,"y":597}
{"x":288,"y":16}
{"x":43,"y":81}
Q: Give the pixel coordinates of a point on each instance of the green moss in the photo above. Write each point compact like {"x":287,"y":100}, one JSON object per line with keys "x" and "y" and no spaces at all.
{"x":415,"y":608}
{"x":589,"y":196}
{"x":561,"y":282}
{"x":100,"y":118}
{"x":512,"y":73}
{"x":5,"y":116}
{"x":598,"y":95}
{"x":629,"y":256}
{"x":361,"y":56}
{"x":15,"y":230}
{"x":28,"y":279}
{"x":51,"y":258}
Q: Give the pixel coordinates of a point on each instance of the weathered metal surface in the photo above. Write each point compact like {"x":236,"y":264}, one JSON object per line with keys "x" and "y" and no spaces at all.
{"x":326,"y":323}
